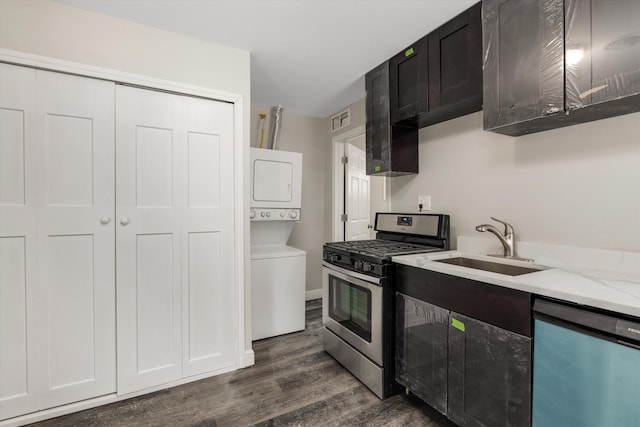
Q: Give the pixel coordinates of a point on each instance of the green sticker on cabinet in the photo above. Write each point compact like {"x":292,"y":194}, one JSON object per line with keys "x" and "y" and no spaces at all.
{"x":457,"y":324}
{"x":408,"y":52}
{"x":376,"y":168}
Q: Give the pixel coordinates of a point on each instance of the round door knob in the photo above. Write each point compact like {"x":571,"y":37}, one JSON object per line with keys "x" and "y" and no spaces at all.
{"x":105,"y":220}
{"x":252,"y":214}
{"x":124,"y":221}
{"x":293,"y":214}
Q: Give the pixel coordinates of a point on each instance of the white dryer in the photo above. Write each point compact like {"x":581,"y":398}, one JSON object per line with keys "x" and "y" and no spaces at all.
{"x":277,"y":271}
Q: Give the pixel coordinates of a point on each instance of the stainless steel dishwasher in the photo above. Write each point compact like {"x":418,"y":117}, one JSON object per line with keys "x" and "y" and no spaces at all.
{"x":586,"y":367}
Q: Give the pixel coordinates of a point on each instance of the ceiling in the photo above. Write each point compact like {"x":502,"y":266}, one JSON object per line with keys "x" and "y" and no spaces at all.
{"x":308,"y":55}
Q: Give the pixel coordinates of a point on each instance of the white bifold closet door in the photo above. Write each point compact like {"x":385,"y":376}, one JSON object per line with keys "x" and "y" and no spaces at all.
{"x":57,"y":290}
{"x":177,"y":315}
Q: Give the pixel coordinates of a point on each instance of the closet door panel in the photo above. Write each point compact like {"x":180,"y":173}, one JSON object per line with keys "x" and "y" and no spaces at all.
{"x":76,"y":241}
{"x":208,"y":256}
{"x":19,"y":368}
{"x":148,"y":141}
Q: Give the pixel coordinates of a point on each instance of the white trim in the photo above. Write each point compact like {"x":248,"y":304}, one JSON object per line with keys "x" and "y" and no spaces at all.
{"x":313,"y":294}
{"x":337,"y":179}
{"x":249,"y":358}
{"x":59,"y":65}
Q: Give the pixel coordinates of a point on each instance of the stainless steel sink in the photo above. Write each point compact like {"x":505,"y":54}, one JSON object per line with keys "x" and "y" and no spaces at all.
{"x":494,"y":267}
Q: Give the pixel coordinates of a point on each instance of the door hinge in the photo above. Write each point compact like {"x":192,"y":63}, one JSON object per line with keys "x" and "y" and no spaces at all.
{"x":344,"y":217}
{"x":344,"y":160}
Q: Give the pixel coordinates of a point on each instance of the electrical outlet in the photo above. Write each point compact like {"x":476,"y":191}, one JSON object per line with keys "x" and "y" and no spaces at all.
{"x":425,"y":202}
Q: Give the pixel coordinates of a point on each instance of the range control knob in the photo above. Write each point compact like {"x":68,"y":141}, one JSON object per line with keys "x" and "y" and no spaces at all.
{"x":366,"y":267}
{"x":293,"y":214}
{"x":334,"y":257}
{"x":252,"y":214}
{"x":358,"y":265}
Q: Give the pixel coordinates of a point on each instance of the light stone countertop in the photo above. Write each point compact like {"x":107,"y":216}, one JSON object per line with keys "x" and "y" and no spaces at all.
{"x":616,"y":288}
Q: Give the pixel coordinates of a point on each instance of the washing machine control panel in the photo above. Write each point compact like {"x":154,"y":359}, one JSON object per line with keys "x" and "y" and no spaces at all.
{"x":272,"y":214}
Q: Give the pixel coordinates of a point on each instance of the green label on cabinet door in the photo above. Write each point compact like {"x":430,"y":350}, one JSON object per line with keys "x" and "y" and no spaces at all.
{"x":376,"y":168}
{"x":457,"y":324}
{"x":408,"y":52}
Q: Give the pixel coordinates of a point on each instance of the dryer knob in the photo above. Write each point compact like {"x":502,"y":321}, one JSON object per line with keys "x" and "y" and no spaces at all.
{"x":281,"y":214}
{"x":252,"y":214}
{"x":293,"y":214}
{"x":268,"y":214}
{"x":262,"y":214}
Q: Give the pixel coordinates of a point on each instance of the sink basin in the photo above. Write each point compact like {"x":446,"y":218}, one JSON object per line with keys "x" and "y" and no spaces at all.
{"x":494,"y":267}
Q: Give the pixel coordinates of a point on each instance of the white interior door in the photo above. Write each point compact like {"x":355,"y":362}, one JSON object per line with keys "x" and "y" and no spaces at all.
{"x":76,"y":241}
{"x":356,"y":194}
{"x":175,"y":247}
{"x":19,"y":366}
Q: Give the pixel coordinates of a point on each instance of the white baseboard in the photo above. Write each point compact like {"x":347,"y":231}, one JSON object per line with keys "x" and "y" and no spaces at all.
{"x":313,"y":294}
{"x":249,"y":358}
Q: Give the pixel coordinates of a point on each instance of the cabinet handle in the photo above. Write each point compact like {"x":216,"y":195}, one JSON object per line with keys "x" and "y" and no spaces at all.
{"x":105,"y":220}
{"x":124,"y":220}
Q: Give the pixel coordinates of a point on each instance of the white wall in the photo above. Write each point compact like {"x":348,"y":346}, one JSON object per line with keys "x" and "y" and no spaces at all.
{"x":577,"y":186}
{"x":306,"y":135}
{"x":46,"y":28}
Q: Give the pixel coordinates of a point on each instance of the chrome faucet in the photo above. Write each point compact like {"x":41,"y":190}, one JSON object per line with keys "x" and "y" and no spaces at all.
{"x":507,"y":240}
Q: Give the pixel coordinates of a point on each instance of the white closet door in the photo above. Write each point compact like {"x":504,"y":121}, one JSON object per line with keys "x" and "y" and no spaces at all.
{"x":76,"y":239}
{"x":19,"y":371}
{"x":149,"y":162}
{"x":175,"y":246}
{"x":208,"y":249}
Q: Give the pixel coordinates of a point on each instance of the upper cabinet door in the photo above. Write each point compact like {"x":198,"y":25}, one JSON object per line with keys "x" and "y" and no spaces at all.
{"x":408,"y":82}
{"x":523,"y":63}
{"x":455,"y":67}
{"x":603,"y":51}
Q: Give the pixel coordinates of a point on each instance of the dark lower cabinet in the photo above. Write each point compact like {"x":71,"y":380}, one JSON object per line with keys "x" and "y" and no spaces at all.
{"x":421,"y":349}
{"x":489,"y":375}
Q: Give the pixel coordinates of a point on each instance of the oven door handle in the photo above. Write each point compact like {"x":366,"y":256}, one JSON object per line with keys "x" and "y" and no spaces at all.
{"x":374,"y":280}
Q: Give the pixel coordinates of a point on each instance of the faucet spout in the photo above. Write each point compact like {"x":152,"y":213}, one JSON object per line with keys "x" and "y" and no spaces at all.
{"x":507,"y":240}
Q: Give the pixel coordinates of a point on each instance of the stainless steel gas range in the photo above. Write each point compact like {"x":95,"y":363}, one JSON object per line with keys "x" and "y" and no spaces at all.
{"x":358,"y":293}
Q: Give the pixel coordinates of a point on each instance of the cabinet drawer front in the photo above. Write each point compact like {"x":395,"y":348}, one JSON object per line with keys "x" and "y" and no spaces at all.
{"x":506,"y":308}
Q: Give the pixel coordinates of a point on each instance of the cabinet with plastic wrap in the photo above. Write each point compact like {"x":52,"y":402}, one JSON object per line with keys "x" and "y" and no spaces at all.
{"x":555,"y":63}
{"x":421,"y":349}
{"x":489,"y":374}
{"x":473,"y":367}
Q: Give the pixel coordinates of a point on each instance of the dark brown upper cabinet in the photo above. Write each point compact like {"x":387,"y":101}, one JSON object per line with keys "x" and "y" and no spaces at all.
{"x":555,"y":63}
{"x":524,"y":64}
{"x":455,"y":68}
{"x":602,"y":52}
{"x":408,"y":82}
{"x":439,"y":77}
{"x":391,"y":149}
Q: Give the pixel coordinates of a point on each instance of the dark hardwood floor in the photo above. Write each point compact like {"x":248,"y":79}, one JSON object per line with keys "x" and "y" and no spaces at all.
{"x":293,"y":383}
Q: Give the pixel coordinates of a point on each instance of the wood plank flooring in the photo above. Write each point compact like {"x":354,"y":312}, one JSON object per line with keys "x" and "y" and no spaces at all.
{"x":293,"y":383}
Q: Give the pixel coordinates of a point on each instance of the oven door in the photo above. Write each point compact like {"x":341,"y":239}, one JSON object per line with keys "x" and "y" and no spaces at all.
{"x":352,"y":309}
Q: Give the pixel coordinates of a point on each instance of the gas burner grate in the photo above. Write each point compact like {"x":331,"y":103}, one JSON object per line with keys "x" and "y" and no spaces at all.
{"x":380,"y":248}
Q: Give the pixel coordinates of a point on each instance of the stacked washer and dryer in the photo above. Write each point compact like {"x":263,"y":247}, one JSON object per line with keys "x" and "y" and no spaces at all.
{"x":277,"y":270}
